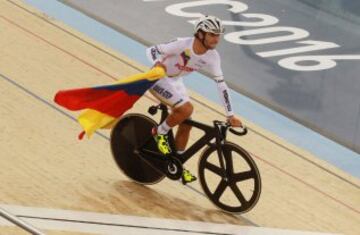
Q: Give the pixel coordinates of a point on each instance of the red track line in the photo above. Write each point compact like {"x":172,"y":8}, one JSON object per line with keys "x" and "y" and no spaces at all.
{"x":64,"y":51}
{"x":59,"y":48}
{"x":114,"y":78}
{"x":305,"y":183}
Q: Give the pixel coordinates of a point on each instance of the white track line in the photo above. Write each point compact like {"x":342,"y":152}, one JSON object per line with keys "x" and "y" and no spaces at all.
{"x":100,"y":223}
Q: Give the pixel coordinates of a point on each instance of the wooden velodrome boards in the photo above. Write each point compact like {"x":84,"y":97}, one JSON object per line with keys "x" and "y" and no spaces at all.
{"x":44,"y":165}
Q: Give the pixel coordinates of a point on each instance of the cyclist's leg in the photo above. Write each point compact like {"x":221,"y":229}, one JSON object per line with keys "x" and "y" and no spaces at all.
{"x":172,"y":92}
{"x":183,"y":132}
{"x":182,"y":137}
{"x":179,"y":114}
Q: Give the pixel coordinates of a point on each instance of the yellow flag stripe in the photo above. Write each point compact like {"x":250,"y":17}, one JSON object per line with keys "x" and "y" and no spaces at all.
{"x":91,"y":120}
{"x":151,"y":75}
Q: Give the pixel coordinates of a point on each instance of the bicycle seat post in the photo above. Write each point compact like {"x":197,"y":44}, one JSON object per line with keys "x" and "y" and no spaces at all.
{"x":164,"y":112}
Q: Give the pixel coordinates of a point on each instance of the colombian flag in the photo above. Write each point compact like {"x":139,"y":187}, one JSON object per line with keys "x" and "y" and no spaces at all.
{"x":105,"y":104}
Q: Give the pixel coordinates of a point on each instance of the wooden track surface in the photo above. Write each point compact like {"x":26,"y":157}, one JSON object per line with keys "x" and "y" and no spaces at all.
{"x":44,"y":165}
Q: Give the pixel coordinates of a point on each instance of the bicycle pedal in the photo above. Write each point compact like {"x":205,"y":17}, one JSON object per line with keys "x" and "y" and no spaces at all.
{"x":191,"y":178}
{"x":184,"y":182}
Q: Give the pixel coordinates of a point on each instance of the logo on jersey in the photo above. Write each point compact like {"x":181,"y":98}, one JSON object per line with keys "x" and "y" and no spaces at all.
{"x":202,"y":62}
{"x":161,"y":91}
{"x":185,"y":56}
{"x":154,"y":52}
{"x":227,"y":101}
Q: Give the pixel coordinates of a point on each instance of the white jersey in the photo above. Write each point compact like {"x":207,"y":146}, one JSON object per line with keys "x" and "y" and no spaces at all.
{"x":180,"y":59}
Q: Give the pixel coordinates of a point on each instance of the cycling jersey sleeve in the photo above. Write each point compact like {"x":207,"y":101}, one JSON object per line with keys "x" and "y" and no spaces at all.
{"x":158,"y":52}
{"x":224,"y":94}
{"x":214,"y":68}
{"x":153,"y":54}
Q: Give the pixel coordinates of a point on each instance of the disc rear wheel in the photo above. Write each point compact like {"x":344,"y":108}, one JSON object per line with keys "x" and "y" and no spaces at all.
{"x":127,"y":136}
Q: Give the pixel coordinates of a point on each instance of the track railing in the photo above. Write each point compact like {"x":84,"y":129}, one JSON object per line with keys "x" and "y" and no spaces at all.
{"x":22,"y":224}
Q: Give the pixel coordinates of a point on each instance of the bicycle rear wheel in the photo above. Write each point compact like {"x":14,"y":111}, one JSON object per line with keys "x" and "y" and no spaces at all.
{"x":236,"y":188}
{"x":129,"y":133}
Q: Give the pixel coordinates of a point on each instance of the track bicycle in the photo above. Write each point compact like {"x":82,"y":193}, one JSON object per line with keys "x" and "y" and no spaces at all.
{"x":227,"y":173}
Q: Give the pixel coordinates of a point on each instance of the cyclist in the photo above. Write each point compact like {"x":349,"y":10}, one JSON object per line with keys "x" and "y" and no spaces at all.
{"x":179,"y":58}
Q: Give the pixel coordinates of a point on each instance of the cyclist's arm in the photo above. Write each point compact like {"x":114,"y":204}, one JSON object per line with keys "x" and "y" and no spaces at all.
{"x":214,"y":69}
{"x":226,"y":99}
{"x":158,"y":53}
{"x":224,"y":94}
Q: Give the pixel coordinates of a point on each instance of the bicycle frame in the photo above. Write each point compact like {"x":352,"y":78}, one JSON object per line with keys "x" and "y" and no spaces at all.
{"x":211,"y":132}
{"x":139,"y":159}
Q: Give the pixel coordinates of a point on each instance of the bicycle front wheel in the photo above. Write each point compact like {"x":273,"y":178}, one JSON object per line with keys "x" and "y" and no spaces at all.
{"x":236,"y":188}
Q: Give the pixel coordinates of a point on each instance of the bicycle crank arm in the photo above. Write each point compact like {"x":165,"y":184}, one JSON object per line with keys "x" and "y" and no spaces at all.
{"x":168,"y":166}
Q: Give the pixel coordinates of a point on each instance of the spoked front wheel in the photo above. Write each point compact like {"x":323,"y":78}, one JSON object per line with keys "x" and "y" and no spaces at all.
{"x":236,"y":187}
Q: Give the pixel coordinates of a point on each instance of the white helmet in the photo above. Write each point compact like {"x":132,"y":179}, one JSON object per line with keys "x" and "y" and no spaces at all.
{"x":210,"y":24}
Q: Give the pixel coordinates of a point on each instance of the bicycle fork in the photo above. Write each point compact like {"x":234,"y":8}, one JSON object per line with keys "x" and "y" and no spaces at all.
{"x":220,"y":140}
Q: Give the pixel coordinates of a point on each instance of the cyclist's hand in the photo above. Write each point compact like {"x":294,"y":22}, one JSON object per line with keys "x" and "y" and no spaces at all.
{"x":159,"y":64}
{"x":234,"y":121}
